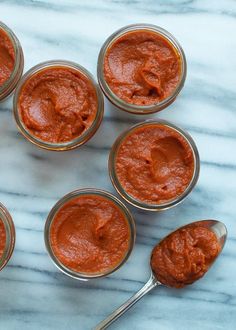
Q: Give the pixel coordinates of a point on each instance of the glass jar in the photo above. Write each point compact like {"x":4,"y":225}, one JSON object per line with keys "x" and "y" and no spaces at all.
{"x":132,"y":108}
{"x":86,"y":135}
{"x":60,"y":204}
{"x":9,"y":85}
{"x":6,"y":218}
{"x":140,"y":204}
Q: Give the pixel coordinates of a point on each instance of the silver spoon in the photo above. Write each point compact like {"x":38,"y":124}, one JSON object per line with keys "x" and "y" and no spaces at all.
{"x":221,"y":233}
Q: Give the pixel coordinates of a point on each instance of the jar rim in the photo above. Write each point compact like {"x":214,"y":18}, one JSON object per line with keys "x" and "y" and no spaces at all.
{"x":129,"y":107}
{"x":8,"y":86}
{"x":8,"y":223}
{"x":140,"y":204}
{"x":81,"y":139}
{"x":70,"y":196}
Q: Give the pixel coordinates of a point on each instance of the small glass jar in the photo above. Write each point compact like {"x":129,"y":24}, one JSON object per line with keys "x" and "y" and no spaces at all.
{"x":6,"y":218}
{"x":86,"y":135}
{"x":8,"y":86}
{"x":132,"y":108}
{"x":61,"y":203}
{"x":140,"y":204}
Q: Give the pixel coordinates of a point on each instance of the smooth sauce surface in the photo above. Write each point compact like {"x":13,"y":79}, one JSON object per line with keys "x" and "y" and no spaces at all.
{"x":154,"y":164}
{"x":2,"y":237}
{"x":58,"y":104}
{"x":185,"y":255}
{"x":142,"y":67}
{"x":7,"y":57}
{"x":90,"y":234}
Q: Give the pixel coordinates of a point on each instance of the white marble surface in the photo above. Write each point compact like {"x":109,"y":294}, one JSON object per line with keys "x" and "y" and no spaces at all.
{"x":33,"y":293}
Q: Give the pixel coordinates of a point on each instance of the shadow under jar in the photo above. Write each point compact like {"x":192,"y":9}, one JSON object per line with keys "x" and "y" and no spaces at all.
{"x":11,"y":61}
{"x":154,"y":165}
{"x":7,"y":236}
{"x":89,"y":234}
{"x":141,"y":68}
{"x":58,"y":105}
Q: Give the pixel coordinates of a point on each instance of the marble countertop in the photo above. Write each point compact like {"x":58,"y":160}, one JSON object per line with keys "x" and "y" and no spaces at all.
{"x":33,"y":293}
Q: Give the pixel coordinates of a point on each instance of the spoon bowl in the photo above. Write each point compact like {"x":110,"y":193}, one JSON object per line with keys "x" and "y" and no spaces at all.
{"x":215,"y":226}
{"x":218,"y":228}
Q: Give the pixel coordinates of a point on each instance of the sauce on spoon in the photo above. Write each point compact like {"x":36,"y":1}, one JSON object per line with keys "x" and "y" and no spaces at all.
{"x":185,"y":255}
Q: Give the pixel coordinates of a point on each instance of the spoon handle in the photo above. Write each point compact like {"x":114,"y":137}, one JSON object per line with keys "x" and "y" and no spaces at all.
{"x":151,"y":283}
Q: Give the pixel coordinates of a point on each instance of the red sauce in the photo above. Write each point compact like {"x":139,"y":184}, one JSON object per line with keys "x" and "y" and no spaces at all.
{"x":185,"y":255}
{"x":90,"y":234}
{"x":2,"y":237}
{"x":142,"y":67}
{"x":7,"y":57}
{"x":58,"y":104}
{"x":154,"y":164}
